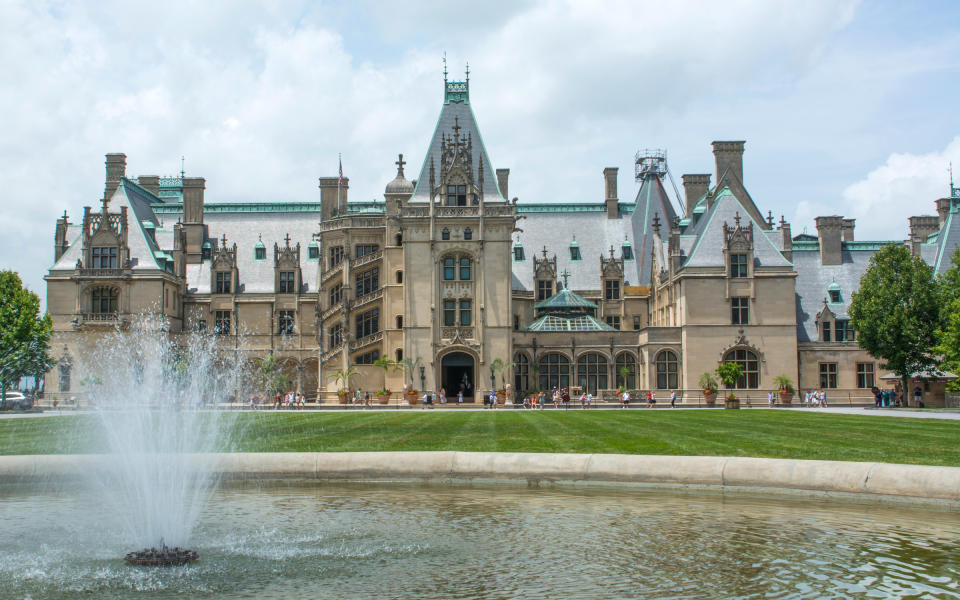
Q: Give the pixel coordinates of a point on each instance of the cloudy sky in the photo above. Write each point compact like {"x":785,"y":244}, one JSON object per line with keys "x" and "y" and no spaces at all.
{"x":847,"y":108}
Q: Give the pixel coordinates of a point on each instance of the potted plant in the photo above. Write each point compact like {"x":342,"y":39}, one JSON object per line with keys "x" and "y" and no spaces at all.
{"x":500,"y":366}
{"x":729,"y":373}
{"x":708,"y":383}
{"x":383,"y":394}
{"x":342,"y":378}
{"x":409,"y":366}
{"x":784,"y":388}
{"x":624,"y":372}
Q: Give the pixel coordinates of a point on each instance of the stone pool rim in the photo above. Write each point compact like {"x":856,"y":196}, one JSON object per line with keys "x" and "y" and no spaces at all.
{"x":864,"y":479}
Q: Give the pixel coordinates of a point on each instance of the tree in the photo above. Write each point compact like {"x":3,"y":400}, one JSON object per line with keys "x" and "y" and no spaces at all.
{"x":342,"y":377}
{"x":24,"y":334}
{"x":498,"y":365}
{"x":895,"y":312}
{"x":272,"y":378}
{"x":729,"y":373}
{"x":386,"y":364}
{"x":409,"y":366}
{"x":948,"y":336}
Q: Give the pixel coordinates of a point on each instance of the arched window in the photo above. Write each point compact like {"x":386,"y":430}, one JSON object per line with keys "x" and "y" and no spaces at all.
{"x":592,"y":373}
{"x":468,"y":234}
{"x":554,"y":371}
{"x":668,"y":368}
{"x":521,"y":374}
{"x":399,"y":276}
{"x":63,"y":370}
{"x":750,"y":365}
{"x":103,"y":300}
{"x":445,"y":234}
{"x":399,"y":321}
{"x":626,"y":361}
{"x":451,"y":271}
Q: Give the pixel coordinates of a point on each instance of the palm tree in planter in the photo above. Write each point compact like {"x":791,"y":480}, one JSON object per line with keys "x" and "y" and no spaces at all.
{"x":784,"y":388}
{"x":409,"y":366}
{"x":498,"y":365}
{"x":342,"y":378}
{"x":383,"y":394}
{"x":624,"y":373}
{"x":729,"y":373}
{"x":708,"y":383}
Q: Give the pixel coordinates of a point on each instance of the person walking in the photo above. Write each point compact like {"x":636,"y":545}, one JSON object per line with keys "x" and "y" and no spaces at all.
{"x":460,"y":397}
{"x":673,"y":399}
{"x":443,"y":395}
{"x":589,"y":399}
{"x":770,"y":399}
{"x":583,"y":400}
{"x":823,"y":398}
{"x":493,"y":399}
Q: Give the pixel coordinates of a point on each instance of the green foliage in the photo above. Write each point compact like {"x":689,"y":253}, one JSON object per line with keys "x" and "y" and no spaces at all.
{"x":24,"y":334}
{"x":409,"y":366}
{"x":270,"y":376}
{"x":386,"y":364}
{"x":948,"y":336}
{"x":783,"y":383}
{"x":500,"y":366}
{"x":729,"y":373}
{"x":342,"y":378}
{"x":895,"y":312}
{"x":708,"y":383}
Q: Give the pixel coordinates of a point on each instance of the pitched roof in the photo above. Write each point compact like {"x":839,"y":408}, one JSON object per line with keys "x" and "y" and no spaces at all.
{"x":564,"y":300}
{"x":652,"y":202}
{"x":564,"y":323}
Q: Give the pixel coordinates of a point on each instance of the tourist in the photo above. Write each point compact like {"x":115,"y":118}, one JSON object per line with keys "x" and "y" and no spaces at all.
{"x":673,"y":399}
{"x":918,"y":397}
{"x":823,"y":398}
{"x":650,"y":400}
{"x":556,"y":398}
{"x":460,"y":397}
{"x":443,"y":395}
{"x":583,"y":400}
{"x":589,"y":399}
{"x":565,"y":398}
{"x":493,"y":399}
{"x":625,"y":399}
{"x":770,"y":399}
{"x":541,"y":399}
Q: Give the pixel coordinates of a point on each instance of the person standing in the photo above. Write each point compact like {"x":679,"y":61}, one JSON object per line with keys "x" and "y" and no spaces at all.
{"x":589,"y":399}
{"x":493,"y":399}
{"x":460,"y":397}
{"x":673,"y":399}
{"x":443,"y":395}
{"x":583,"y":400}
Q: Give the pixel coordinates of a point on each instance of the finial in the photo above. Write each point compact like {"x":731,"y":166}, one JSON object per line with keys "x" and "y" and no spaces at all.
{"x":400,"y":164}
{"x":64,"y":214}
{"x":456,"y":127}
{"x":444,"y":66}
{"x":736,"y":218}
{"x":544,"y":251}
{"x":565,"y":275}
{"x":468,"y":71}
{"x":287,"y":240}
{"x":611,"y":251}
{"x":770,"y":218}
{"x":656,"y":222}
{"x":183,"y":161}
{"x":223,"y":243}
{"x":260,"y":237}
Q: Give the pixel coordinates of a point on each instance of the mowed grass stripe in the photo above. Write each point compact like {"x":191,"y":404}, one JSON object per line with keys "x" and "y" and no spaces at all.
{"x":763,"y":433}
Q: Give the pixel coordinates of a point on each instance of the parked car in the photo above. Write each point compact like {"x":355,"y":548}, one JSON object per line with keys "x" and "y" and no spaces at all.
{"x":15,"y":401}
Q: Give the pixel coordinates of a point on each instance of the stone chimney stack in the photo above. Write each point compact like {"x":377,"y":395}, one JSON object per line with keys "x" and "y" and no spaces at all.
{"x":920,"y":228}
{"x":610,"y":197}
{"x":694,"y":187}
{"x":116,"y":169}
{"x":60,"y":243}
{"x":943,"y":209}
{"x":151,"y":183}
{"x":846,"y":229}
{"x":503,"y":178}
{"x":829,"y":229}
{"x":193,"y":229}
{"x":333,"y":203}
{"x":786,"y":239}
{"x":729,"y":157}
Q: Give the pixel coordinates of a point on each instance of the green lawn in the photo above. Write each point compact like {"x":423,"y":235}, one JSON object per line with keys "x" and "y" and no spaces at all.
{"x":776,"y":434}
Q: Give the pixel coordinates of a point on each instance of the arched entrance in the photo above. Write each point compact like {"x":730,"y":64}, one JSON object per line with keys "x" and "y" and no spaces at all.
{"x":456,"y":374}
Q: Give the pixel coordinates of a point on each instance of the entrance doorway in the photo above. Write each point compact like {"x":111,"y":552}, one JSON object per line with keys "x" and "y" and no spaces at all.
{"x":456,"y":375}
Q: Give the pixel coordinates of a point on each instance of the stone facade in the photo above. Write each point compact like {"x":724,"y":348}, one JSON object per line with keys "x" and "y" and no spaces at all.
{"x":448,"y":269}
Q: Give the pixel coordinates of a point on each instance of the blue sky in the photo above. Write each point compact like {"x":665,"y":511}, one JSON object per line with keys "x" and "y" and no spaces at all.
{"x":847,"y":108}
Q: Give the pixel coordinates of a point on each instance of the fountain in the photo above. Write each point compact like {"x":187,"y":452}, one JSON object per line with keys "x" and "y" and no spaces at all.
{"x":157,"y":401}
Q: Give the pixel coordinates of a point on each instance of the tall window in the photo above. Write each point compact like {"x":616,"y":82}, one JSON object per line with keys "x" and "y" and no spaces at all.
{"x":103,"y":300}
{"x":738,"y":265}
{"x":336,"y":294}
{"x":465,"y":268}
{"x":516,"y":323}
{"x":865,"y":379}
{"x":368,"y":281}
{"x":592,"y":372}
{"x":365,"y":249}
{"x":626,"y":361}
{"x":104,"y":258}
{"x":611,"y":289}
{"x":844,"y":332}
{"x":750,"y":365}
{"x":336,"y":256}
{"x":287,"y":280}
{"x":445,"y":234}
{"x":668,"y":368}
{"x":468,"y":234}
{"x":221,"y":322}
{"x":449,"y":268}
{"x":398,"y":353}
{"x":613,"y":321}
{"x":554,"y":371}
{"x":544,"y":289}
{"x":367,"y":358}
{"x":223,"y":282}
{"x":399,"y":276}
{"x":828,"y":375}
{"x":636,"y":323}
{"x":740,"y":308}
{"x":63,"y":370}
{"x":285,"y":322}
{"x":456,"y":195}
{"x":825,"y":330}
{"x":336,"y":336}
{"x":368,"y":323}
{"x":465,"y":313}
{"x":521,"y":374}
{"x":449,"y":313}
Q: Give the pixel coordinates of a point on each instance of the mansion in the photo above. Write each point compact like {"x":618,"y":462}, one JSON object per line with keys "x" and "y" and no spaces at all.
{"x":450,"y":270}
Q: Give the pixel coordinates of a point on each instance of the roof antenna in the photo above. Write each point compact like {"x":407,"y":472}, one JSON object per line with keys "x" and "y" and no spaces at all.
{"x":182,"y":162}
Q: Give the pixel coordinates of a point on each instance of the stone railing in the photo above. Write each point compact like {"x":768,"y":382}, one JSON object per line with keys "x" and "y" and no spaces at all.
{"x":330,"y":353}
{"x":458,"y":211}
{"x":103,"y":273}
{"x":368,"y":298}
{"x":329,"y":273}
{"x":366,"y":259}
{"x":108,"y":319}
{"x":331,"y":310}
{"x":366,"y":341}
{"x":451,"y":333}
{"x":499,"y":211}
{"x":343,"y":223}
{"x":415,"y":211}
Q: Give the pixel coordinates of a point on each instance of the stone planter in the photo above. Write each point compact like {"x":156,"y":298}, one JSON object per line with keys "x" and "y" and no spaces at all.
{"x":501,"y":397}
{"x":710,"y":398}
{"x":785,"y":396}
{"x":342,"y":398}
{"x":384,"y":398}
{"x":412,"y":399}
{"x":733,"y":403}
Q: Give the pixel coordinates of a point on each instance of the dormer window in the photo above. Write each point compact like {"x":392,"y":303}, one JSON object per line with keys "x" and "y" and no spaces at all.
{"x":286,"y":282}
{"x":518,"y":253}
{"x":544,"y":289}
{"x":223,"y":282}
{"x":627,"y":250}
{"x":738,"y":265}
{"x":445,"y":234}
{"x":468,"y":234}
{"x":611,"y":289}
{"x":456,"y":195}
{"x":259,"y":253}
{"x":205,"y":251}
{"x":104,"y":258}
{"x":574,"y":251}
{"x":313,"y":251}
{"x":834,"y":296}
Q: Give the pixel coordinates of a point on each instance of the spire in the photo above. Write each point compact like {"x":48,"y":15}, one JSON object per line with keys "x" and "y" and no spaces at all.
{"x":565,"y":274}
{"x":400,"y":162}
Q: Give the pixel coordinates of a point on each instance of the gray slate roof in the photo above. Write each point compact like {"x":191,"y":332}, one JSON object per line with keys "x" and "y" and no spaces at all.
{"x":813,"y":281}
{"x":652,"y":201}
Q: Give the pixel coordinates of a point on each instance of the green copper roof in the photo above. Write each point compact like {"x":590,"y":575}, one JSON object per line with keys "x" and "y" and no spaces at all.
{"x":571,"y":207}
{"x":561,"y":323}
{"x":564,"y":300}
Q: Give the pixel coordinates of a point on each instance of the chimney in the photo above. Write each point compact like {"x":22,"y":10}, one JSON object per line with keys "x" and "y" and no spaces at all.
{"x":60,"y":243}
{"x":729,"y":158}
{"x":846,"y":229}
{"x":333,"y":203}
{"x":786,"y":239}
{"x":829,"y":231}
{"x":116,"y":168}
{"x":503,"y":177}
{"x":193,"y":230}
{"x":694,"y":187}
{"x":920,"y":228}
{"x":943,"y":209}
{"x":610,"y":197}
{"x":151,"y":183}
